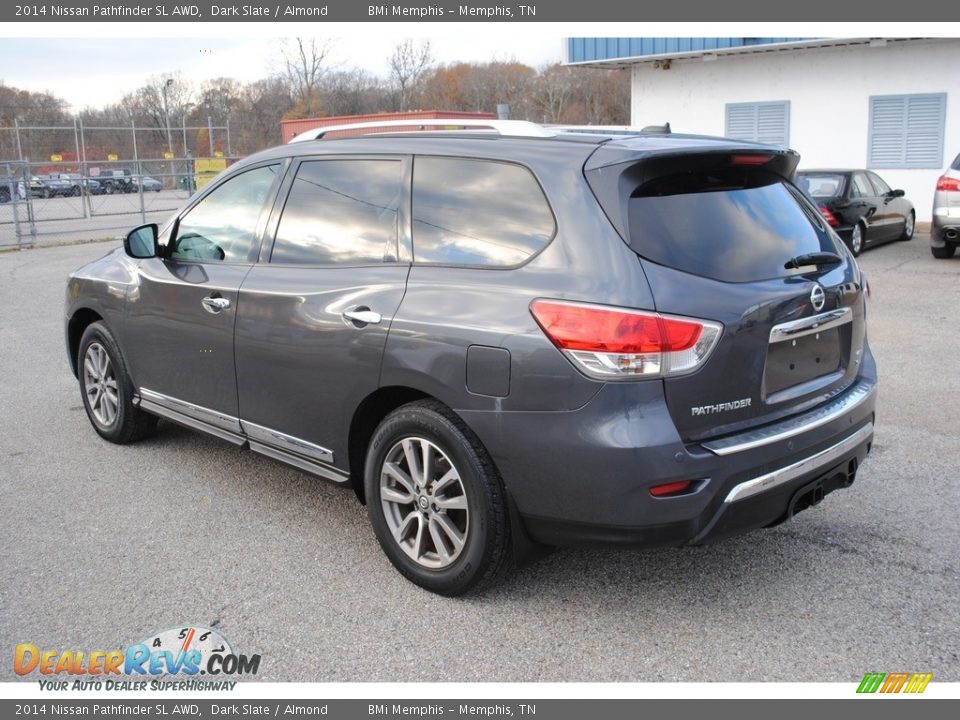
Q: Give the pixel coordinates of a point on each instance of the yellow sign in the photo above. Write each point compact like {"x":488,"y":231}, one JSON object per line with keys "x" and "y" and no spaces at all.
{"x":113,"y":157}
{"x":167,"y":155}
{"x":56,"y":158}
{"x":218,"y":153}
{"x":206,"y":169}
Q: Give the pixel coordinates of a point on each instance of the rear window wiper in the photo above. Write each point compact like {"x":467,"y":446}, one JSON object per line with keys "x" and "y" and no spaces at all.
{"x":817,"y":258}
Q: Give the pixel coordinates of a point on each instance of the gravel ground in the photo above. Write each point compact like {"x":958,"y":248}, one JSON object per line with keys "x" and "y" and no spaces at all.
{"x":102,"y":545}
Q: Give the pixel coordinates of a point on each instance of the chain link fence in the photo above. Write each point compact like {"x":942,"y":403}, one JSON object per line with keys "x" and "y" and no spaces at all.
{"x":76,"y":184}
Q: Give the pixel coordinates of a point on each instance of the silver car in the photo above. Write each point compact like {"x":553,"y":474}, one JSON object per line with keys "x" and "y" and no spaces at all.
{"x":946,"y":213}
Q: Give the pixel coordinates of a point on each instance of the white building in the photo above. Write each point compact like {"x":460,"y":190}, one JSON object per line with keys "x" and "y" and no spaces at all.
{"x":891,"y":105}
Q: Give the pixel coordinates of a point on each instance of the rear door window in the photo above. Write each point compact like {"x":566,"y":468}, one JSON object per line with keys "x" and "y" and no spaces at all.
{"x":341,"y":212}
{"x":732,"y":225}
{"x":477,"y":212}
{"x":861,"y":186}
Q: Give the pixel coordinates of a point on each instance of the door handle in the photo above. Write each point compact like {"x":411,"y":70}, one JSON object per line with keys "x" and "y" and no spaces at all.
{"x":215,"y":305}
{"x":365,"y":317}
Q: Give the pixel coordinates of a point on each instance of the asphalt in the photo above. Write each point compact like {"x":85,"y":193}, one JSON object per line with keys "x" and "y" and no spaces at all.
{"x":102,"y":545}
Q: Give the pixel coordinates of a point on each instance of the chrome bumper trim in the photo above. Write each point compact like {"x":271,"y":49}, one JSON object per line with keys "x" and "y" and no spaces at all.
{"x":813,"y":463}
{"x":858,"y":394}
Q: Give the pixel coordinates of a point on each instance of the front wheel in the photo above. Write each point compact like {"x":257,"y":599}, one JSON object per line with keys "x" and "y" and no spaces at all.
{"x":435,"y":500}
{"x":908,"y":224}
{"x":856,"y":240}
{"x":107,"y":390}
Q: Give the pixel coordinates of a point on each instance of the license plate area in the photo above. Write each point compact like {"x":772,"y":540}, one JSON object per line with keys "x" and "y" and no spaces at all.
{"x":791,"y":363}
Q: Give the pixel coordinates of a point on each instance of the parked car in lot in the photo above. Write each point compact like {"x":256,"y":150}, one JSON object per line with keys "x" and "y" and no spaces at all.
{"x":48,"y":186}
{"x":116,"y":181}
{"x":499,"y":340}
{"x":148,"y":183}
{"x":945,"y":229}
{"x":80,"y":185}
{"x":9,"y":187}
{"x":860,"y":206}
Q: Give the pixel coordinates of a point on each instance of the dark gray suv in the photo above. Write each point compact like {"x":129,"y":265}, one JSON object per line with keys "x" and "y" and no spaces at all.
{"x":500,"y":340}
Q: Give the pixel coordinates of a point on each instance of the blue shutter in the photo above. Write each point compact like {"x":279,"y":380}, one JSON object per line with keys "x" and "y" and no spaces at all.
{"x":906,"y":131}
{"x":765,"y":122}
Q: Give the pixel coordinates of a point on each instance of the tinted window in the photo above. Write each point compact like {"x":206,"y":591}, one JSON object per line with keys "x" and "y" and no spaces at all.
{"x":861,"y":186}
{"x":821,"y":185}
{"x":477,"y":212}
{"x":341,"y":212}
{"x":223,"y":226}
{"x":956,"y":164}
{"x":881,"y":187}
{"x":734,"y":226}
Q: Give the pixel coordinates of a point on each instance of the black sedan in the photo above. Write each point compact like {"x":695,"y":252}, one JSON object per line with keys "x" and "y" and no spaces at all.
{"x":859,"y":206}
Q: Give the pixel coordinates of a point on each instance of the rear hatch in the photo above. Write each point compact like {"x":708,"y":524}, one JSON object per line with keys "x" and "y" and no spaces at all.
{"x":718,"y":231}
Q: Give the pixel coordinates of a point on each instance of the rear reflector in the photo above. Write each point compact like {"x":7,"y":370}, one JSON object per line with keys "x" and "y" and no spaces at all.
{"x":948,"y":183}
{"x":673,"y":488}
{"x":610,"y":343}
{"x":829,"y":216}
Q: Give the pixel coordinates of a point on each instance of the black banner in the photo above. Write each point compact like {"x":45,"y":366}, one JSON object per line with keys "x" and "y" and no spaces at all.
{"x":471,"y":11}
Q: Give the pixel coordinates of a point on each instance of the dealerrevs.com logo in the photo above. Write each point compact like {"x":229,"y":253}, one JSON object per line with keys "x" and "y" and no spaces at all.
{"x":172,"y":659}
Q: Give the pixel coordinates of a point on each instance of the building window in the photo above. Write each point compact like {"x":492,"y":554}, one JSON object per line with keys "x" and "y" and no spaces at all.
{"x":765,"y":122}
{"x":906,"y":131}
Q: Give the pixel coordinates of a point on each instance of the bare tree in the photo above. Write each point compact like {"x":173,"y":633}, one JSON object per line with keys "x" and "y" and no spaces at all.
{"x":408,"y":64}
{"x":305,"y":62}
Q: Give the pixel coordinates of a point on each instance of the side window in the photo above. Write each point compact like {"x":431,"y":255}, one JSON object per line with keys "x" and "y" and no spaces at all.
{"x":477,"y":212}
{"x":223,"y":226}
{"x":879,"y":184}
{"x":861,"y":187}
{"x":341,"y":212}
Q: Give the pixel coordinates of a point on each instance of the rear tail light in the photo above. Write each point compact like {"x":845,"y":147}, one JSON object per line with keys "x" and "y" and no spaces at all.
{"x":948,"y":183}
{"x":829,"y":216}
{"x":617,"y":343}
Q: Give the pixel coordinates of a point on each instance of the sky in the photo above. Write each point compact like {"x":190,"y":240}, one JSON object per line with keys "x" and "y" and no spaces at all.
{"x":97,"y":71}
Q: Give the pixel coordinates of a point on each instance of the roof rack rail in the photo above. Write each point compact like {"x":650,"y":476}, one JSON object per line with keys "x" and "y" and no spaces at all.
{"x":613,"y":129}
{"x":514,"y":128}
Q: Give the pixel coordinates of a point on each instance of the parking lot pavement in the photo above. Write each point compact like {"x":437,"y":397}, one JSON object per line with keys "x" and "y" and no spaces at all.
{"x":102,"y":545}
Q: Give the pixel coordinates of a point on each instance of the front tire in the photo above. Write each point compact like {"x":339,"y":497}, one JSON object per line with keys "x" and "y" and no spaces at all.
{"x":107,"y":390}
{"x":908,"y":225}
{"x":436,"y":501}
{"x":857,"y":236}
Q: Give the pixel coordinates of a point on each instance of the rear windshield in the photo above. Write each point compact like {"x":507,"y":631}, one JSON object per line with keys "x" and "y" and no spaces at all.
{"x":729,"y":225}
{"x":820,"y":185}
{"x":956,"y":164}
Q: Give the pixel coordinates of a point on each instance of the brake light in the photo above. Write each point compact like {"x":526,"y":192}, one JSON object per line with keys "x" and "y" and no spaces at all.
{"x":950,"y":184}
{"x":619,"y":343}
{"x":750,"y":159}
{"x":829,"y":216}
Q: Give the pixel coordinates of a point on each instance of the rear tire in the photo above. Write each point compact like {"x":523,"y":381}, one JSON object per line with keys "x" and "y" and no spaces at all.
{"x":944,"y":253}
{"x":857,"y":236}
{"x":107,"y":390}
{"x":908,"y":226}
{"x":436,"y":501}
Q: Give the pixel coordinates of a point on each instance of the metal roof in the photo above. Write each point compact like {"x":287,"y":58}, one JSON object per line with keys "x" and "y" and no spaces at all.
{"x":626,"y":52}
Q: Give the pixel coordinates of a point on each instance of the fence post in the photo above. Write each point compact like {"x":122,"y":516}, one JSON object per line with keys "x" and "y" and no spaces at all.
{"x":84,"y":193}
{"x":136,"y":159}
{"x":16,"y":125}
{"x":210,"y":133}
{"x":229,"y":149}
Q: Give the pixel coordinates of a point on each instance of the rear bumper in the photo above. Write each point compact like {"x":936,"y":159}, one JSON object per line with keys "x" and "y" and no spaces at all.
{"x":584,"y":477}
{"x":944,"y":224}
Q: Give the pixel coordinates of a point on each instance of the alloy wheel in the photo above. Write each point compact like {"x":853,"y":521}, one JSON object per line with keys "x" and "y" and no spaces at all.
{"x":424,"y":502}
{"x":100,"y":385}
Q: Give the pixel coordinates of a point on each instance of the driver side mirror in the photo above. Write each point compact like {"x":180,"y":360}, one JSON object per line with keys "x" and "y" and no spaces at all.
{"x":896,"y":193}
{"x":141,"y":242}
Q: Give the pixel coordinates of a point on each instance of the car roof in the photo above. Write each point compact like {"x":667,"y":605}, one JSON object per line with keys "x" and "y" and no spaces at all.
{"x":580,"y":145}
